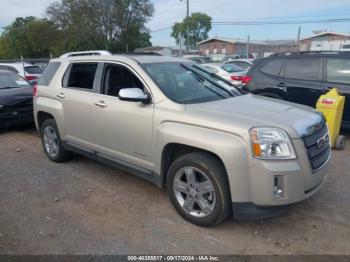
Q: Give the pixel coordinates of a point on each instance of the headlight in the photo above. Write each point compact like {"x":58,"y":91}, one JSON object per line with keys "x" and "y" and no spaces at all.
{"x":271,"y":143}
{"x":1,"y":107}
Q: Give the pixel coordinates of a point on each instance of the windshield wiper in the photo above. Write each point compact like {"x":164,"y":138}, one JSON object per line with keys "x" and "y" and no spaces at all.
{"x":8,"y":87}
{"x":217,"y":77}
{"x":202,"y":79}
{"x":207,"y":79}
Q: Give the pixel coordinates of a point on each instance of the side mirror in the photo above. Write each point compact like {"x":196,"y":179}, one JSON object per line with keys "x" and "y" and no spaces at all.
{"x":134,"y":95}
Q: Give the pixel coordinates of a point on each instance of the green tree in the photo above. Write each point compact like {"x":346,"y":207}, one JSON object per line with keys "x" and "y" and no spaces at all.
{"x":116,"y":25}
{"x":29,"y":38}
{"x":196,"y":27}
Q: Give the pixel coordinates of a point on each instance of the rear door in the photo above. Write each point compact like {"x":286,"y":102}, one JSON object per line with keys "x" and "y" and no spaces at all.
{"x":265,"y":77}
{"x":337,"y":74}
{"x":77,"y":97}
{"x":301,"y":79}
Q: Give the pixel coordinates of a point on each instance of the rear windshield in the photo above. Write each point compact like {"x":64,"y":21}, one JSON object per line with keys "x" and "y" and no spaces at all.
{"x":48,"y":73}
{"x":10,"y":80}
{"x":35,"y":70}
{"x":231,"y":68}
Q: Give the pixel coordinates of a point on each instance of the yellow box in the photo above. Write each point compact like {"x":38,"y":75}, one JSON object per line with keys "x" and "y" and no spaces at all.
{"x":332,"y":106}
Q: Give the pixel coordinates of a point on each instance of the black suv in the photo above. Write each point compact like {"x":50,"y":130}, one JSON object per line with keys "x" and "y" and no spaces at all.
{"x":302,"y":77}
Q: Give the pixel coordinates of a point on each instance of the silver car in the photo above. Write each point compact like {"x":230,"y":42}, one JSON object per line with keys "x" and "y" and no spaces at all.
{"x":219,"y":152}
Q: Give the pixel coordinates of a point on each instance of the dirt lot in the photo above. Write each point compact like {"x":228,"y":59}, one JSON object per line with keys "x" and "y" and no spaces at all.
{"x":83,"y":207}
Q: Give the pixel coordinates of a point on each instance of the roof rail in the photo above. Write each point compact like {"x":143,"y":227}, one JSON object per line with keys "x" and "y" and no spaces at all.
{"x":311,"y":53}
{"x":86,"y":53}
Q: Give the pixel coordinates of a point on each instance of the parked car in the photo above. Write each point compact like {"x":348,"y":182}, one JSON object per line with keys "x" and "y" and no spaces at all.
{"x":249,"y":57}
{"x":232,"y":73}
{"x":302,"y":77}
{"x":16,"y":100}
{"x":199,"y":59}
{"x":168,"y":120}
{"x":29,"y":72}
{"x":243,"y":63}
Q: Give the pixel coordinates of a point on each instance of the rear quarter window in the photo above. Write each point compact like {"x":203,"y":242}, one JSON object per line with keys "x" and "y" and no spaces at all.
{"x":48,"y":74}
{"x":272,"y":67}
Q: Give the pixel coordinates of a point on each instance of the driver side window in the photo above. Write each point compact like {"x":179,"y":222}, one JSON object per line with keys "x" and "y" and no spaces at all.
{"x":117,"y":77}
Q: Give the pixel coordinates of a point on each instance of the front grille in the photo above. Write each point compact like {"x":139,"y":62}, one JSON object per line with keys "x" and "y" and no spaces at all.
{"x":318,"y":147}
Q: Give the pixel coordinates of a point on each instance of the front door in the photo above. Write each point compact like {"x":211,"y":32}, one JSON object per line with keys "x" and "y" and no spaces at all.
{"x":123,"y":130}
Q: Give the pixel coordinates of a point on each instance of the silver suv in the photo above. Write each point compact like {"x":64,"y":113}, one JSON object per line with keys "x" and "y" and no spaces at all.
{"x":218,"y":150}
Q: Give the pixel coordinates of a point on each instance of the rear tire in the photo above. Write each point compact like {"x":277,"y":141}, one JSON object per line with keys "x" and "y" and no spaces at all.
{"x":198,"y":188}
{"x":52,"y":143}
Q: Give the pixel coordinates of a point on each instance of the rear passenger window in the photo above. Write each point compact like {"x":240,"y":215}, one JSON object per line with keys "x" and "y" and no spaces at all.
{"x":82,"y":75}
{"x":304,"y":69}
{"x":273,"y":67}
{"x":48,"y":73}
{"x":338,"y":70}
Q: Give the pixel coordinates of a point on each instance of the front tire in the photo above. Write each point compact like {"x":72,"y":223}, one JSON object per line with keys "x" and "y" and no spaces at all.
{"x":198,"y":188}
{"x":52,"y":143}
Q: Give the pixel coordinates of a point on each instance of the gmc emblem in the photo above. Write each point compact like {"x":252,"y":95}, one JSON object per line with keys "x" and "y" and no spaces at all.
{"x":321,"y":142}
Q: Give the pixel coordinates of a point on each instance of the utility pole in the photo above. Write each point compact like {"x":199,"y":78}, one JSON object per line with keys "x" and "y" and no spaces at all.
{"x":298,"y":38}
{"x":187,"y":16}
{"x":248,"y":43}
{"x":180,"y":37}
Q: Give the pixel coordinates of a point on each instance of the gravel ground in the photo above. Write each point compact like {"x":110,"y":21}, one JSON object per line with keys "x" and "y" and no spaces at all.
{"x":83,"y":207}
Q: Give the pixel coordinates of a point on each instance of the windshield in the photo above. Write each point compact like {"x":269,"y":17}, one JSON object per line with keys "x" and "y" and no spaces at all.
{"x":231,"y":68}
{"x":187,"y":83}
{"x":12,"y":80}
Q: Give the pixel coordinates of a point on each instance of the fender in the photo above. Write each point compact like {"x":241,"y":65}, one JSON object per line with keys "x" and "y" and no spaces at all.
{"x":52,"y":107}
{"x":230,"y":148}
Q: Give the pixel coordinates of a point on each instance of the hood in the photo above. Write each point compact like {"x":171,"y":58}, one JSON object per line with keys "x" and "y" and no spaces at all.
{"x":247,"y":111}
{"x":14,"y":96}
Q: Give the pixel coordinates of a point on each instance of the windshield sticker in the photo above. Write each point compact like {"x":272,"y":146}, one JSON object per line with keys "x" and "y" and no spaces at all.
{"x":21,"y":83}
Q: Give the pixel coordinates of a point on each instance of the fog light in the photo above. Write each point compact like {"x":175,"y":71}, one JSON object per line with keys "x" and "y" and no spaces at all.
{"x":278,"y":186}
{"x":278,"y":191}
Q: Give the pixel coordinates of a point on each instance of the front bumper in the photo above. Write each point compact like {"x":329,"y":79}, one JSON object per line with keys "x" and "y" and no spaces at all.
{"x":253,"y":190}
{"x":16,"y":118}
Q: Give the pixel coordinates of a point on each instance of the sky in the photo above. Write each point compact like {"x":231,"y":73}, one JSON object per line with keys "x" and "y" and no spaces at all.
{"x":167,"y":12}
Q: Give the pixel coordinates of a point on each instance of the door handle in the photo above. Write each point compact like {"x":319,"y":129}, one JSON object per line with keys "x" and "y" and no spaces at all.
{"x":282,"y":85}
{"x":61,"y":95}
{"x":101,"y":104}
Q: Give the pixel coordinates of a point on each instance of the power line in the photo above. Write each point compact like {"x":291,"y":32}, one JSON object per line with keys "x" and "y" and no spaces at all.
{"x":258,"y":23}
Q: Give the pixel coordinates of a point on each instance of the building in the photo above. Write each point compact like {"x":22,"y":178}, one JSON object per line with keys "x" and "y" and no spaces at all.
{"x":219,"y":46}
{"x":324,"y":41}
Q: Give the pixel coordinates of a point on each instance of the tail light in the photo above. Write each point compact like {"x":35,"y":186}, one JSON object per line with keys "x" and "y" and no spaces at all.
{"x":29,"y":78}
{"x":243,"y":79}
{"x":35,"y":90}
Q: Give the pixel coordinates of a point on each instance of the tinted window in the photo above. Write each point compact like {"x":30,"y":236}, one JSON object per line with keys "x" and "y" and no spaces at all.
{"x":188,"y":83}
{"x":48,"y":73}
{"x":338,"y":70}
{"x":305,"y":69}
{"x":11,"y":80}
{"x":346,"y":46}
{"x":119,"y":77}
{"x":82,"y":75}
{"x":231,"y":68}
{"x":10,"y":68}
{"x":35,"y":70}
{"x":273,"y":67}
